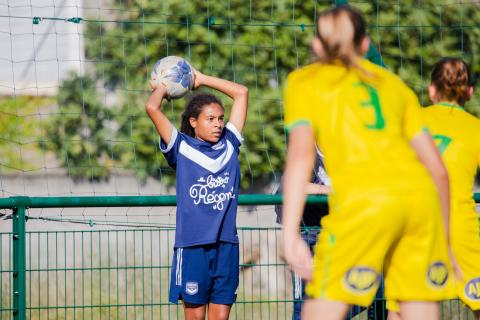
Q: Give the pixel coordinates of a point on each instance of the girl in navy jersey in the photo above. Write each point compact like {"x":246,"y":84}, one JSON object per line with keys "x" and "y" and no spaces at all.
{"x":204,"y":154}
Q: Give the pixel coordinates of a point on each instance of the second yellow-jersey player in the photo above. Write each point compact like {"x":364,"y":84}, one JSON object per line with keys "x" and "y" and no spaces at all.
{"x":457,"y":135}
{"x":385,"y":206}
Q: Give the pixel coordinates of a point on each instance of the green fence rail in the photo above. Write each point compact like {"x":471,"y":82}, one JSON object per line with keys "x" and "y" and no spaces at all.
{"x":124,"y":274}
{"x":133,"y":201}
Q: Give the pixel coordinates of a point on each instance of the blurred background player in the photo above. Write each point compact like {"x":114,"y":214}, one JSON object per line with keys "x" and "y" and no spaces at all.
{"x":205,"y":267}
{"x":368,"y":124}
{"x":310,"y":226}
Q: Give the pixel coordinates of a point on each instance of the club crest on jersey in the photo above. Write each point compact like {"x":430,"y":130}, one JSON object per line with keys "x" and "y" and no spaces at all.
{"x":472,"y":289}
{"x":438,"y":274}
{"x":191,"y":288}
{"x":361,"y":279}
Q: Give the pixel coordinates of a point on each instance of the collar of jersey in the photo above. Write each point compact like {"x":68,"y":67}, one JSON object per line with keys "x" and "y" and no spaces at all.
{"x":451,"y":105}
{"x":212,"y":165}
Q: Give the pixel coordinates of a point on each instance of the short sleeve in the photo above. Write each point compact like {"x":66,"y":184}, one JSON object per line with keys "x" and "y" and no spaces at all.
{"x":477,"y":139}
{"x":170,"y":150}
{"x":296,"y":103}
{"x":478,"y":160}
{"x":413,"y":123}
{"x":233,"y":135}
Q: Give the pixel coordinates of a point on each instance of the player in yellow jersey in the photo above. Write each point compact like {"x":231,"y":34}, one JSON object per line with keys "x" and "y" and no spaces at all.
{"x":457,"y":134}
{"x":390,"y":186}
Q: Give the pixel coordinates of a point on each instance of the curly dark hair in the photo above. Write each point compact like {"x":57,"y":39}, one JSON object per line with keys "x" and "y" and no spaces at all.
{"x":193,"y":108}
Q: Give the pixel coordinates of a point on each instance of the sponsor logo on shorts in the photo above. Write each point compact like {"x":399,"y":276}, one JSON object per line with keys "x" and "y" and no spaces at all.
{"x":438,"y":274}
{"x":472,"y":289}
{"x":191,"y":288}
{"x":361,"y":279}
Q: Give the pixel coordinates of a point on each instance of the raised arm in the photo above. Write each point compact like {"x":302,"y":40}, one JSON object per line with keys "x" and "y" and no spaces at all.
{"x":238,"y":92}
{"x":154,"y":111}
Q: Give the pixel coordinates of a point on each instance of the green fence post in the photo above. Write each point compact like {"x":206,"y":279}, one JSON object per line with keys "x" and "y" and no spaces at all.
{"x":19,"y":264}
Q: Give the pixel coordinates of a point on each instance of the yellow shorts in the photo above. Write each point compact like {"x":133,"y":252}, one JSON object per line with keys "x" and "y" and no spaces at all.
{"x":465,"y":241}
{"x":399,"y":233}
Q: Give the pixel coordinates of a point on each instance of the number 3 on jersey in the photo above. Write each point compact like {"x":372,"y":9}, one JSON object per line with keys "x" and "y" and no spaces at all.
{"x":442,"y":142}
{"x":373,"y":102}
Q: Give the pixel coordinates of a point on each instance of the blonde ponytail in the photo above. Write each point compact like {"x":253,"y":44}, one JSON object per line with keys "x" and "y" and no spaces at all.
{"x":341,"y":31}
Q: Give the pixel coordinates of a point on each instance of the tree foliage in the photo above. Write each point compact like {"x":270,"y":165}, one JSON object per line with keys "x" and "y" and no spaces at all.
{"x":79,"y":133}
{"x":19,"y":132}
{"x":255,"y":43}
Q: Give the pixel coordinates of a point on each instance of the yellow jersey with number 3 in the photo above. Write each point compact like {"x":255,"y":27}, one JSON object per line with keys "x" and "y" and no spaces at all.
{"x":363,"y":121}
{"x":385,"y":212}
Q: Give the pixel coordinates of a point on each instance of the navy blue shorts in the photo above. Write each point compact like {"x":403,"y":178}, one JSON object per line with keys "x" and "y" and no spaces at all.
{"x":205,"y":274}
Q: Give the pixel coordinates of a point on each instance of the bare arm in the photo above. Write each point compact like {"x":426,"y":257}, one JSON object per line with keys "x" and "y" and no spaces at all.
{"x":238,"y":92}
{"x":300,"y":161}
{"x":428,"y":154}
{"x":153,"y":108}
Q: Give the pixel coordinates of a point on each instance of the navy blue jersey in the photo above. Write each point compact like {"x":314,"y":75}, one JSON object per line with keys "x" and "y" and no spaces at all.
{"x":208,"y":179}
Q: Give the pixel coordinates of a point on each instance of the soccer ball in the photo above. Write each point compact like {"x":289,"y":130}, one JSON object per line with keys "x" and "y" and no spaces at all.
{"x":176,"y":74}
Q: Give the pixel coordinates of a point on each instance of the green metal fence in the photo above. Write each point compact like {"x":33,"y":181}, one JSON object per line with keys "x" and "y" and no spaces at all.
{"x":123,"y":273}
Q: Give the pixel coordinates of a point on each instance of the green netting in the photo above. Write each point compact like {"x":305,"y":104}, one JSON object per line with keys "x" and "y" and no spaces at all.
{"x":73,"y":83}
{"x":74,"y":77}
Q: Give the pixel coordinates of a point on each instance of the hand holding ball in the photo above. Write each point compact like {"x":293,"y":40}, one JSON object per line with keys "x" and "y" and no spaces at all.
{"x":176,"y":74}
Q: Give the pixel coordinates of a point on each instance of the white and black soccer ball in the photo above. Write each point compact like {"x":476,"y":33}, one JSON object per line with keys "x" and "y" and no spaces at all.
{"x":176,"y":74}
